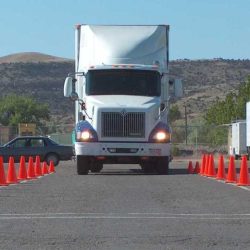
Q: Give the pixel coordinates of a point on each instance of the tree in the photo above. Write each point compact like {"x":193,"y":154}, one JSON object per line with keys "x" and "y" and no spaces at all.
{"x":232,"y":108}
{"x":16,"y":109}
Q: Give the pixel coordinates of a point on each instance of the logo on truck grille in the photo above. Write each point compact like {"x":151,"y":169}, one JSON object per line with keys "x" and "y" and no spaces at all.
{"x":123,"y":112}
{"x":123,"y":124}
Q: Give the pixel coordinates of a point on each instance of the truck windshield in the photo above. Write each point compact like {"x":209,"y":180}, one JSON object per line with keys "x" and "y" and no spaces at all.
{"x":123,"y":82}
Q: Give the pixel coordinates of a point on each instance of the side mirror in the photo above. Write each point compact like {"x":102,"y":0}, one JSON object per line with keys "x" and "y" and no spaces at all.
{"x":68,"y":86}
{"x":68,"y":89}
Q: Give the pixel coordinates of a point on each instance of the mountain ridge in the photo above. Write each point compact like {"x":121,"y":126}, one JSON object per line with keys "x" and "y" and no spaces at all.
{"x":42,"y":76}
{"x":29,"y":57}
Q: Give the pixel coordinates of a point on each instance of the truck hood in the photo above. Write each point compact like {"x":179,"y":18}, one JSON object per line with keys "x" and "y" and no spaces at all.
{"x":123,"y":101}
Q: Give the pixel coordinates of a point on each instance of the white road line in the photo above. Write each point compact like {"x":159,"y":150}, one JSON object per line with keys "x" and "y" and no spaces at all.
{"x":116,"y":214}
{"x":119,"y":217}
{"x":124,"y":216}
{"x":247,"y":188}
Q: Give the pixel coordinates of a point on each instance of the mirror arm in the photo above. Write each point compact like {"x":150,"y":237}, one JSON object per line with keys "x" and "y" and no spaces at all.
{"x":82,"y":104}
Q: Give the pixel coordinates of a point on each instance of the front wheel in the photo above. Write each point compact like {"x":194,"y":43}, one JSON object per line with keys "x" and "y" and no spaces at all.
{"x":52,"y":157}
{"x":82,"y":163}
{"x":96,"y":167}
{"x":162,"y":165}
{"x":147,"y":167}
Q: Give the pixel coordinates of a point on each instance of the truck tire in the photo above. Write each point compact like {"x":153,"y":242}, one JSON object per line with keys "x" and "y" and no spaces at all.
{"x":82,"y":163}
{"x":147,"y":167}
{"x":96,"y":167}
{"x":162,"y":165}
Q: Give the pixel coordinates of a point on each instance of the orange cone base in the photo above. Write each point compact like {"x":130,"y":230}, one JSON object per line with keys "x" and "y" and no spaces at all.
{"x":4,"y":184}
{"x":243,"y":184}
{"x":228,"y":181}
{"x":21,"y":179}
{"x":220,"y":178}
{"x":31,"y":177}
{"x":11,"y":182}
{"x":211,"y":175}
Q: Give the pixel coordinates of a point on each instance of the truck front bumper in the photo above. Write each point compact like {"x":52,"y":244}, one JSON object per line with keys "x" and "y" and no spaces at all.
{"x":122,"y":149}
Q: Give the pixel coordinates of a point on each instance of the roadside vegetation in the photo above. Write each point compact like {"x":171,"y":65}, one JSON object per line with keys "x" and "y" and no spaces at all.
{"x":232,"y":108}
{"x":211,"y":128}
{"x":15,"y":109}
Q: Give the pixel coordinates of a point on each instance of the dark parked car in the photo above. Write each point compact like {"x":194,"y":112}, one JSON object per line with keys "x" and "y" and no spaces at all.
{"x":47,"y":149}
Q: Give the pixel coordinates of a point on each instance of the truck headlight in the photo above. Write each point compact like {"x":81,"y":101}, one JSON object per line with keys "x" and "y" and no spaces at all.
{"x":162,"y":136}
{"x":85,"y":132}
{"x":86,"y":135}
{"x":161,"y":133}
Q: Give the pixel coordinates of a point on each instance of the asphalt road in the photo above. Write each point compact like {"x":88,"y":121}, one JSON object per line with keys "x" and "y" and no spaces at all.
{"x":121,"y":208}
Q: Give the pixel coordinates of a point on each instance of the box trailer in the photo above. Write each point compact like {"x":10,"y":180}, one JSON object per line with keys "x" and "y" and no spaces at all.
{"x":248,"y":127}
{"x":238,"y":140}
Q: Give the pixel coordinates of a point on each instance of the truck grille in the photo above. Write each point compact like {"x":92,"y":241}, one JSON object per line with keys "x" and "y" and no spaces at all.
{"x":123,"y":124}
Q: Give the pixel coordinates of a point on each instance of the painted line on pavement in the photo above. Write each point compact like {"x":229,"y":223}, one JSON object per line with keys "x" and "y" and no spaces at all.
{"x":124,"y":216}
{"x":247,"y":188}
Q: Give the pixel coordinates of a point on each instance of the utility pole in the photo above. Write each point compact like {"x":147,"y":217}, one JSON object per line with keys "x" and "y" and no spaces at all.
{"x":185,"y":123}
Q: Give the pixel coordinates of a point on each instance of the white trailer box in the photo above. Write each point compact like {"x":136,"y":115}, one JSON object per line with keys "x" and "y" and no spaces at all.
{"x":238,"y":146}
{"x":248,"y":125}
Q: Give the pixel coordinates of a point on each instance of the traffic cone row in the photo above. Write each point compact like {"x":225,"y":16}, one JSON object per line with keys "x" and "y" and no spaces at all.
{"x":33,"y":171}
{"x":208,"y":169}
{"x":195,"y":170}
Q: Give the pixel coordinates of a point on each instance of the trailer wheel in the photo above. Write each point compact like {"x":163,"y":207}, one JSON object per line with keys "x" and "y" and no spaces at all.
{"x":82,"y":163}
{"x":162,"y":165}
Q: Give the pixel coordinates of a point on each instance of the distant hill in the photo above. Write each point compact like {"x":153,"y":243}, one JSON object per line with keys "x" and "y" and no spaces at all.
{"x":38,"y":75}
{"x":42,"y":76}
{"x":206,"y":80}
{"x":31,"y":57}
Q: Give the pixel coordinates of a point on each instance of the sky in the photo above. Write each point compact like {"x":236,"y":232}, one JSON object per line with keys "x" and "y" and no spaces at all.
{"x":199,"y":29}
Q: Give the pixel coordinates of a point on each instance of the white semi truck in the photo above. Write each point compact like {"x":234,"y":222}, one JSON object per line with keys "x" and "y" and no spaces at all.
{"x":121,"y":93}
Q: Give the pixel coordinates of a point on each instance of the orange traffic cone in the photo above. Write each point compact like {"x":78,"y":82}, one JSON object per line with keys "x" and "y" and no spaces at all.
{"x":31,"y":170}
{"x":51,"y":167}
{"x":38,"y":170}
{"x":190,"y":168}
{"x":2,"y":173}
{"x":231,"y":174}
{"x":244,"y":178}
{"x":221,"y":169}
{"x":45,"y":168}
{"x":197,"y":168}
{"x":203,"y":162}
{"x":11,"y":175}
{"x":206,"y":165}
{"x":211,"y":169}
{"x":22,"y":174}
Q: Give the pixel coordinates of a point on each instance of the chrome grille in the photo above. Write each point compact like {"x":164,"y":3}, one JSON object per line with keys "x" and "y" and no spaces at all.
{"x":122,"y":124}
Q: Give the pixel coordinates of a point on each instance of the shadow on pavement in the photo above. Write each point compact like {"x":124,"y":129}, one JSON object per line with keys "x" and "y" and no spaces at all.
{"x":137,"y":172}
